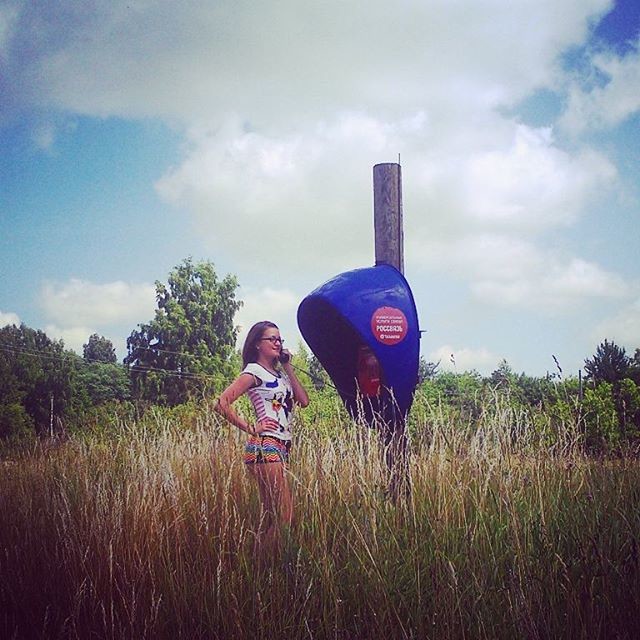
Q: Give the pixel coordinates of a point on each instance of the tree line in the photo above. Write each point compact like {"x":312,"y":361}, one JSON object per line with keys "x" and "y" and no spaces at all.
{"x":187,"y":352}
{"x":602,"y":408}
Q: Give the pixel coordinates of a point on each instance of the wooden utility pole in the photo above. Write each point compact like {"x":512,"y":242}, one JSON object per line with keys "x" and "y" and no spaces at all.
{"x":389,"y":249}
{"x":387,"y":215}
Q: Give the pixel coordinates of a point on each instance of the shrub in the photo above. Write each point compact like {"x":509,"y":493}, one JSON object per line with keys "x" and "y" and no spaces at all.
{"x":601,"y":417}
{"x":15,"y":423}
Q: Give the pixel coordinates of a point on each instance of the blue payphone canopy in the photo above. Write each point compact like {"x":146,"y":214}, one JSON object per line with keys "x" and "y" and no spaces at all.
{"x":372,"y":306}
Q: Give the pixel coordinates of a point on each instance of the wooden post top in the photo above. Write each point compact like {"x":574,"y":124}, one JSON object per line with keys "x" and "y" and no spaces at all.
{"x":387,"y":215}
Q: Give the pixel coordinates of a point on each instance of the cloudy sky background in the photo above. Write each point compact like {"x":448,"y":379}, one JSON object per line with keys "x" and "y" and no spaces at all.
{"x":134,"y":134}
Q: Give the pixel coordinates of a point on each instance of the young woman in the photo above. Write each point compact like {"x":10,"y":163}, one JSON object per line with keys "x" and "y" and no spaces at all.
{"x":272,"y":386}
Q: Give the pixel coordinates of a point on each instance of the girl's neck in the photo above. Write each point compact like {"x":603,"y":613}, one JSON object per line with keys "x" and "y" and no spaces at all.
{"x":268,"y":363}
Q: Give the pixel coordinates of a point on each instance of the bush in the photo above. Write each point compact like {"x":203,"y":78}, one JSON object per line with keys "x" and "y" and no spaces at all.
{"x":628,"y":402}
{"x":601,"y":417}
{"x":15,"y":423}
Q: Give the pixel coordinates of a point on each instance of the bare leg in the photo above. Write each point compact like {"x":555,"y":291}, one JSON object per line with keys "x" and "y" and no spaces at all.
{"x":277,"y":507}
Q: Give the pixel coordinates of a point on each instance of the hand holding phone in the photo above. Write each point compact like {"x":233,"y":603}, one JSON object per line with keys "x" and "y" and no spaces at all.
{"x":284,"y":356}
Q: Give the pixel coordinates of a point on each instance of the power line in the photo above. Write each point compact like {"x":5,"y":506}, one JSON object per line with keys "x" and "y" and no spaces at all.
{"x":170,"y":372}
{"x":37,"y":353}
{"x":76,"y":359}
{"x":157,"y":350}
{"x":75,"y":355}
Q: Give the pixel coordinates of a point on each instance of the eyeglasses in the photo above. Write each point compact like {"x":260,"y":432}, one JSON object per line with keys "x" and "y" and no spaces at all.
{"x":274,"y":339}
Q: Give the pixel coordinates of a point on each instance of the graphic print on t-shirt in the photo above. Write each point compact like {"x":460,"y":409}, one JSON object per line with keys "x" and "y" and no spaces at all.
{"x":272,"y":398}
{"x":283,"y":402}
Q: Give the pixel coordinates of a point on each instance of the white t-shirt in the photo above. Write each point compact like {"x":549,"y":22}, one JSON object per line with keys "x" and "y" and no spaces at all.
{"x":272,"y":398}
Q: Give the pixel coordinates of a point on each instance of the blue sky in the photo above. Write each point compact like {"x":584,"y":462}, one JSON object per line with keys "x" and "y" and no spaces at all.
{"x":135,"y":134}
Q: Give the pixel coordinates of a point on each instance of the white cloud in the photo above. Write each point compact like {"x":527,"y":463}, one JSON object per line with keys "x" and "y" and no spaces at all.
{"x":623,"y":328}
{"x":73,"y":337}
{"x":77,"y":308}
{"x":79,"y":303}
{"x":553,"y":285}
{"x":276,"y":200}
{"x":496,"y":175}
{"x":459,"y":359}
{"x":81,"y":308}
{"x":313,"y":187}
{"x":506,"y":271}
{"x":287,"y":108}
{"x":8,"y":318}
{"x":210,"y":59}
{"x":531,"y":184}
{"x":277,"y":305}
{"x":597,"y":107}
{"x":479,"y":256}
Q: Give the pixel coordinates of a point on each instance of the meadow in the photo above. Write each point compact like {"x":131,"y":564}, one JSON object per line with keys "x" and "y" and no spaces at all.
{"x":146,"y":530}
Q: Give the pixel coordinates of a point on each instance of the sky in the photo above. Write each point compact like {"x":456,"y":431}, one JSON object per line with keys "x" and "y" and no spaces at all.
{"x":136,"y":134}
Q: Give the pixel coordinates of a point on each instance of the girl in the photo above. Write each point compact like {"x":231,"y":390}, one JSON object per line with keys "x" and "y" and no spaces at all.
{"x":269,"y":380}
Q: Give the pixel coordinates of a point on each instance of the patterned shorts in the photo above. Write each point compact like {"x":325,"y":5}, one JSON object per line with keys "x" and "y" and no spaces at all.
{"x":261,"y":449}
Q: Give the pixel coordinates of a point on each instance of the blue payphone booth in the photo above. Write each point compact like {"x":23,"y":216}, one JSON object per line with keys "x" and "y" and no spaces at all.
{"x":362,"y":326}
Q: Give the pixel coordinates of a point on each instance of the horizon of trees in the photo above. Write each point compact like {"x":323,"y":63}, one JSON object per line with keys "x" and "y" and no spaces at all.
{"x":187,"y":353}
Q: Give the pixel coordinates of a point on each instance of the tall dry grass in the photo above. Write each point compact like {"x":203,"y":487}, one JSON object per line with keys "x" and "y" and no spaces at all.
{"x":149,"y":534}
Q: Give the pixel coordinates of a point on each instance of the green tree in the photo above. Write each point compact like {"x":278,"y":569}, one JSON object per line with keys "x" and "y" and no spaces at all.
{"x":100,"y":382}
{"x":535,"y":391}
{"x":634,"y":367}
{"x":462,"y":391}
{"x":601,"y":416}
{"x":36,"y":373}
{"x":188,"y":346}
{"x":99,"y":349}
{"x":427,"y":370}
{"x":503,"y":377}
{"x":317,"y":373}
{"x":15,"y":422}
{"x":628,"y":405}
{"x":610,"y":363}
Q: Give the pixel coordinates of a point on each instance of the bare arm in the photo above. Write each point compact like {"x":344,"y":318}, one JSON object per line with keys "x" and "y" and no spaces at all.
{"x":240,"y":385}
{"x":299,"y":392}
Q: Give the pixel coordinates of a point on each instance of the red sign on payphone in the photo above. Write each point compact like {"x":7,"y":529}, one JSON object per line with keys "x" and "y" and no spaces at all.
{"x":389,"y":325}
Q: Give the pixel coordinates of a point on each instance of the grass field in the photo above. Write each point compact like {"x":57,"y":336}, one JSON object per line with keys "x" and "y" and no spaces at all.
{"x":148,"y":533}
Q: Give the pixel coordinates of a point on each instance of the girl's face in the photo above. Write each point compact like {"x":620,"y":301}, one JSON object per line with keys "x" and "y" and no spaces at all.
{"x":270,"y":344}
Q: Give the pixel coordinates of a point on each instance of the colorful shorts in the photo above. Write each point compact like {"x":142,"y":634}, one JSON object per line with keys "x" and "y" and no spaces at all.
{"x":261,"y":449}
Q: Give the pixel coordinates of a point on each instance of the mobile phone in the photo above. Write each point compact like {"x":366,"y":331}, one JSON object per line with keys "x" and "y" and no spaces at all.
{"x":284,"y":357}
